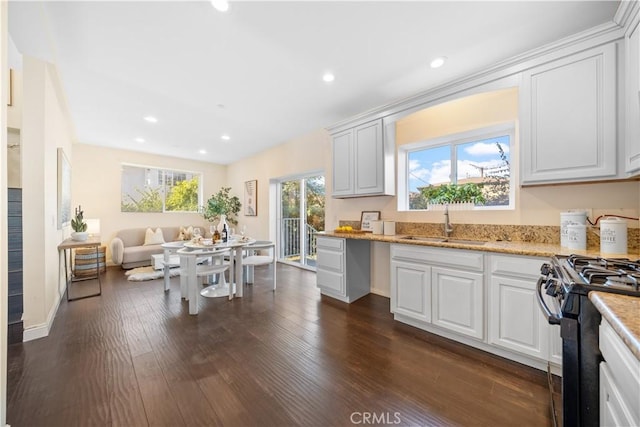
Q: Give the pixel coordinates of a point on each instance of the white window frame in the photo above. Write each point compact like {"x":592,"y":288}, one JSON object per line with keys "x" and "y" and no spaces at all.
{"x":452,"y":140}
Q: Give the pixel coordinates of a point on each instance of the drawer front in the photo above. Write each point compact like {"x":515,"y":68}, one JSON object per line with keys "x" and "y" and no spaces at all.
{"x":330,"y":260}
{"x":330,"y":280}
{"x":458,"y":258}
{"x":518,"y":266}
{"x":335,"y":244}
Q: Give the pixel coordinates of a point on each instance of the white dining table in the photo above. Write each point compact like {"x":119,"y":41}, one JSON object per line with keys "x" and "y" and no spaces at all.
{"x":189,"y":255}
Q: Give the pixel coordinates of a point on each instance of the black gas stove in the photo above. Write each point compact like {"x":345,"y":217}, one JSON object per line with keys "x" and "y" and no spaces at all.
{"x":568,"y":281}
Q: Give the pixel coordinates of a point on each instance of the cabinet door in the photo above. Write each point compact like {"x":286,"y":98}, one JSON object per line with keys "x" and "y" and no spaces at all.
{"x":632,"y":95}
{"x":613,"y":411}
{"x":369,"y":158}
{"x":568,"y":118}
{"x":458,"y":301}
{"x":343,"y":164}
{"x":411,"y":290}
{"x":555,"y":340}
{"x":515,"y":319}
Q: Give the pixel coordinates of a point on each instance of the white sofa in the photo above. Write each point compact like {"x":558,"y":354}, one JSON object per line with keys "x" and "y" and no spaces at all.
{"x":129,"y":251}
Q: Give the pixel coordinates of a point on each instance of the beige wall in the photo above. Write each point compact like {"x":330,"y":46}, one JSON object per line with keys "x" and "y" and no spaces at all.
{"x":44,"y":128}
{"x":96,"y":178}
{"x":534,"y":205}
{"x":301,"y":155}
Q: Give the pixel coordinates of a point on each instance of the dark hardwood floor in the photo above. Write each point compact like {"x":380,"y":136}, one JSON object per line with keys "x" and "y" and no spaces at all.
{"x":135,"y":357}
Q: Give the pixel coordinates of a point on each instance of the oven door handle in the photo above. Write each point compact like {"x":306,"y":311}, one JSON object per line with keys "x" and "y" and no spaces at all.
{"x":552,"y":318}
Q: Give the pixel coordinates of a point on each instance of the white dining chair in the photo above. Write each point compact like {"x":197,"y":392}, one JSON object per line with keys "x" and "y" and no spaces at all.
{"x":255,"y":256}
{"x":216,"y":267}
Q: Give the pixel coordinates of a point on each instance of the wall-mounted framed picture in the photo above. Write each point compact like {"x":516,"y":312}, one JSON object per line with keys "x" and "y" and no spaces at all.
{"x":367,"y":217}
{"x":10,"y":95}
{"x":64,"y":190}
{"x":251,"y":198}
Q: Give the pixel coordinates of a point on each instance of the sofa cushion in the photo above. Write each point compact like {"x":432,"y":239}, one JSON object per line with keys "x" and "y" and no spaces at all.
{"x":186,"y":233}
{"x":153,"y":237}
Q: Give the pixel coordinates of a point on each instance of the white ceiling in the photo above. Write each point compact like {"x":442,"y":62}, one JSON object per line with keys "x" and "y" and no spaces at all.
{"x":255,"y":72}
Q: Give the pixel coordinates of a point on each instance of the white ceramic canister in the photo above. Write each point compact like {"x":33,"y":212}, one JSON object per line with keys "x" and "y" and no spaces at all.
{"x":613,"y":236}
{"x":577,"y":237}
{"x":377,"y":227}
{"x":570,"y":217}
{"x":389,"y":228}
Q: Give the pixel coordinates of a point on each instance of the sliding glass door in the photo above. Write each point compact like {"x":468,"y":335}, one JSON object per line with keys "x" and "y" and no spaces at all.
{"x":301,"y":217}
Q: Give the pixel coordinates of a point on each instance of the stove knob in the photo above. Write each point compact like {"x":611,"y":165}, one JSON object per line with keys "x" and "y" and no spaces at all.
{"x":545,"y":269}
{"x":552,"y":289}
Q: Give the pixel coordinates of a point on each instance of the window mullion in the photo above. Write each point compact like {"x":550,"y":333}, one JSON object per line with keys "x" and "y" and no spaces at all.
{"x":454,"y":165}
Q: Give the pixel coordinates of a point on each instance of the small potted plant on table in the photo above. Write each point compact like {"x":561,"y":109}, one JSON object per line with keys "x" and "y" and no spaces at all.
{"x":79,"y":226}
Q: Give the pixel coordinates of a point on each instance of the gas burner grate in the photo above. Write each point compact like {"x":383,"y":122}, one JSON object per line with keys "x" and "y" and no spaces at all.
{"x":614,"y":274}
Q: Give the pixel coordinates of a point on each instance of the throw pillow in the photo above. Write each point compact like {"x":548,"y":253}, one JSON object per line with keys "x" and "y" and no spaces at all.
{"x":186,"y":233}
{"x":153,"y":237}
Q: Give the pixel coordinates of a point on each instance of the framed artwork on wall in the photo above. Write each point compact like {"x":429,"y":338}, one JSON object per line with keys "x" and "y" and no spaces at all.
{"x":367,"y":217}
{"x":64,"y":190}
{"x":251,"y":198}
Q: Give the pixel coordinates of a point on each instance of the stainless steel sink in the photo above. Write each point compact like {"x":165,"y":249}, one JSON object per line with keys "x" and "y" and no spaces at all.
{"x":466,"y":242}
{"x":443,"y":240}
{"x":425,"y":239}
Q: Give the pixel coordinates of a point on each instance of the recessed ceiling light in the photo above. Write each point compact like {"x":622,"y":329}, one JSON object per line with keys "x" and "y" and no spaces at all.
{"x":151,"y":119}
{"x":225,"y":137}
{"x":328,"y":77}
{"x":438,"y":62}
{"x":220,"y":5}
{"x":202,"y":151}
{"x":140,"y":140}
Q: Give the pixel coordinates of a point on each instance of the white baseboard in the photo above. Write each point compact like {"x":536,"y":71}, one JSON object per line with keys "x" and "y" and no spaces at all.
{"x":42,"y":330}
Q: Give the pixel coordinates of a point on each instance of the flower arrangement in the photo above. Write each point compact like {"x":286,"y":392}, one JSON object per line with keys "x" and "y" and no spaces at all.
{"x":220,"y":204}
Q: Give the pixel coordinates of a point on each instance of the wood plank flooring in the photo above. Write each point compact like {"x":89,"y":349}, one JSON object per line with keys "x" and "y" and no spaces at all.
{"x":135,"y":357}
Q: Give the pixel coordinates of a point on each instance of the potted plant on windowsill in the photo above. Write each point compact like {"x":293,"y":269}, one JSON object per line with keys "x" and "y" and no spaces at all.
{"x":79,"y":226}
{"x":464,"y":196}
{"x":222,"y":207}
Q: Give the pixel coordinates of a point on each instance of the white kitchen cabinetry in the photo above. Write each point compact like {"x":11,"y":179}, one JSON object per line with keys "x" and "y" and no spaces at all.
{"x":343,"y":269}
{"x":442,"y":287}
{"x":619,"y":381}
{"x":568,"y":118}
{"x":362,"y":162}
{"x":516,"y":321}
{"x":411,"y":290}
{"x":458,"y":301}
{"x":632,"y":97}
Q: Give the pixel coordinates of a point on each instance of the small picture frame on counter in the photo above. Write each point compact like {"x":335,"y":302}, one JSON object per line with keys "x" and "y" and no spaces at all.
{"x":367,"y":218}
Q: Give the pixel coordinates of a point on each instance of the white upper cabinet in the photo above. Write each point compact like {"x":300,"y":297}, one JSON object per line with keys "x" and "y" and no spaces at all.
{"x":632,"y":98}
{"x":361,"y":165}
{"x":568,"y":118}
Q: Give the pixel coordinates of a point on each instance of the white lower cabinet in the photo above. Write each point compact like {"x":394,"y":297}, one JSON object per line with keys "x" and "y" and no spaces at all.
{"x":458,"y":301}
{"x":619,"y":380}
{"x":411,"y":290}
{"x":343,"y":269}
{"x":481,"y":299}
{"x":516,"y":321}
{"x":426,"y":286}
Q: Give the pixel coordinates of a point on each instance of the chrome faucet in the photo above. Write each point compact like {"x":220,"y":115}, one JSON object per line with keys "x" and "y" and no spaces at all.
{"x":448,"y":228}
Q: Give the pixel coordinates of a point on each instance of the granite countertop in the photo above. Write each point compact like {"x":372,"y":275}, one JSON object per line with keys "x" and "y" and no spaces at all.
{"x":623,"y":313}
{"x":506,"y":247}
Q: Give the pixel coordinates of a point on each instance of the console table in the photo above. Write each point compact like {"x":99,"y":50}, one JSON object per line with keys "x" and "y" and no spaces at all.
{"x":67,"y":247}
